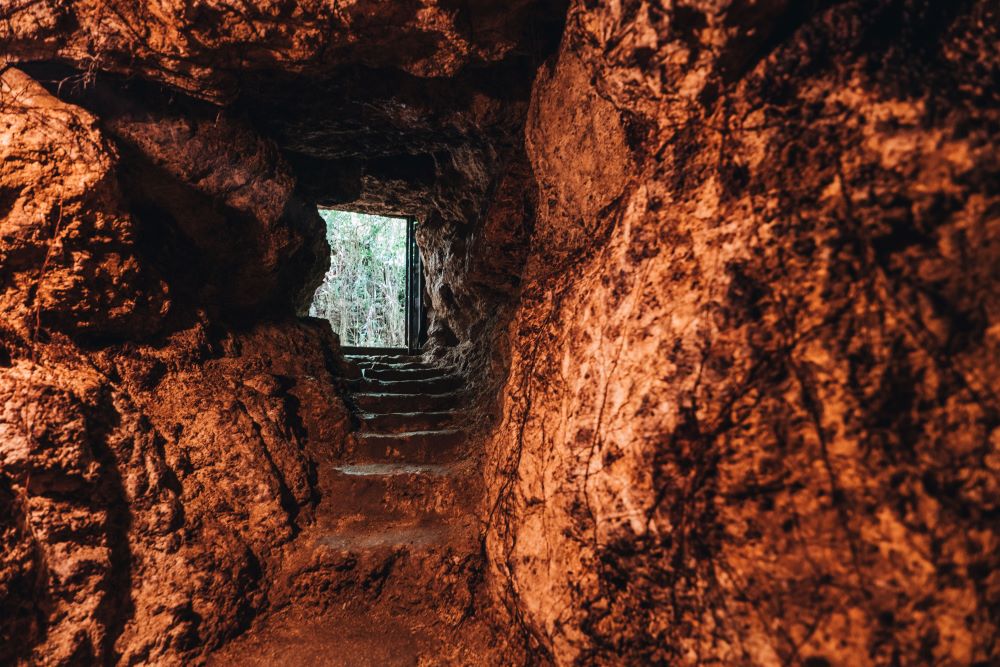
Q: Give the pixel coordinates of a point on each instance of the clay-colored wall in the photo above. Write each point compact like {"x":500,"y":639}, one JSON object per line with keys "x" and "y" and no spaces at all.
{"x":163,"y":411}
{"x":154,"y":460}
{"x":752,"y":414}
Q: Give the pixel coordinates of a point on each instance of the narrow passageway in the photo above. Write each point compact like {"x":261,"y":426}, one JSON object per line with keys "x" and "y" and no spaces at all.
{"x":706,"y":300}
{"x":383,"y":575}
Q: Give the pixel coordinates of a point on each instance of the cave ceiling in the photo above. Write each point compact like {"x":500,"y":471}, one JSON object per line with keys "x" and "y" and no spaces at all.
{"x":385,"y":107}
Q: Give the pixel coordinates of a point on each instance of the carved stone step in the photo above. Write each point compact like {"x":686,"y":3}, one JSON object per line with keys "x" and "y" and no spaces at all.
{"x":413,"y":447}
{"x":381,"y":403}
{"x":391,"y":373}
{"x":438,"y":385}
{"x":384,"y":358}
{"x":385,"y":492}
{"x":394,"y":366}
{"x":356,"y":564}
{"x":398,"y":422}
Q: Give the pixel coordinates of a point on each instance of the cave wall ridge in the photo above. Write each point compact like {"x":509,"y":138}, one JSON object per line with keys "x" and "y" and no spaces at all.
{"x":750,"y":415}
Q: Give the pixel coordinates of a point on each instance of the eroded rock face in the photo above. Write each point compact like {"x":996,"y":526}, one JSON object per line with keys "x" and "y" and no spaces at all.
{"x":206,"y":48}
{"x":219,"y":213}
{"x":734,"y":264}
{"x":153,"y":461}
{"x":153,"y":494}
{"x":240,"y":441}
{"x":68,"y":248}
{"x":751,"y":415}
{"x":474,"y":272}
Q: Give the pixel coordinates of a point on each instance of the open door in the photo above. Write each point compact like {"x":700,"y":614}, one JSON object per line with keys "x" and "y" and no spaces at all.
{"x":372,"y":294}
{"x":416,"y":316}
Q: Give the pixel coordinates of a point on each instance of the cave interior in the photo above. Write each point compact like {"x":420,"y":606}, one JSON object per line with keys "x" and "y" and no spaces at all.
{"x":700,"y":362}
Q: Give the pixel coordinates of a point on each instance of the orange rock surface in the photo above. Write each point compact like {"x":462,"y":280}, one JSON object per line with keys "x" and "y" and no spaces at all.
{"x":718,"y":278}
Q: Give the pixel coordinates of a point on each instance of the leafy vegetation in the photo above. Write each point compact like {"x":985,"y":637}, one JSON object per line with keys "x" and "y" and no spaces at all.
{"x":363,"y":293}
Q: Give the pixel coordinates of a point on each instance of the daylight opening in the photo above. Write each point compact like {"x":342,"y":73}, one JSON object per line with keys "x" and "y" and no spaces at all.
{"x":364,"y":294}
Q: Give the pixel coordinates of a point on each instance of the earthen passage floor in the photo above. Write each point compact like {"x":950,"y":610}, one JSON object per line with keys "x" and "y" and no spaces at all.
{"x":381,"y":577}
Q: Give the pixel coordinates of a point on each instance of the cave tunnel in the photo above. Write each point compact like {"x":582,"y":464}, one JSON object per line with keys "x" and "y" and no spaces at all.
{"x":696,"y":357}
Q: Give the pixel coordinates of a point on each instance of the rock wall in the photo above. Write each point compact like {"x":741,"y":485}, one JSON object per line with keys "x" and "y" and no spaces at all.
{"x":153,"y":459}
{"x":751,"y":415}
{"x":725,"y":275}
{"x":211,"y":50}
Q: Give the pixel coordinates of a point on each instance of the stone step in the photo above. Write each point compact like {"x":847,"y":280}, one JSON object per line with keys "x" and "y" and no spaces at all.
{"x":382,"y":403}
{"x":353,"y":565}
{"x":438,"y":385}
{"x":384,"y":358}
{"x":423,"y":373}
{"x":391,"y":492}
{"x":413,"y":447}
{"x":334,"y":636}
{"x":366,"y":538}
{"x":397,"y":422}
{"x":381,"y":365}
{"x":305,"y":636}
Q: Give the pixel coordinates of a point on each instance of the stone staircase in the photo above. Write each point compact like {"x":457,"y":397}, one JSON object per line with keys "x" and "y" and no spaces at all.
{"x":394,"y":541}
{"x":404,"y":484}
{"x":408,"y":410}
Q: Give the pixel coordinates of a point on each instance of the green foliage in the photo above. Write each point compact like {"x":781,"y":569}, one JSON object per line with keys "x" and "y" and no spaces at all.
{"x":363,"y":294}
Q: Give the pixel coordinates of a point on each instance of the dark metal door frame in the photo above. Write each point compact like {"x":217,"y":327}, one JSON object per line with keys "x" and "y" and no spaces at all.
{"x":416,"y":315}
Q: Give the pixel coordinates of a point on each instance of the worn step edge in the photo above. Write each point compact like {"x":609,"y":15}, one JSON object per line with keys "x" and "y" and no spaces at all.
{"x":382,"y":358}
{"x":440,"y":385}
{"x":388,"y":538}
{"x":397,"y":422}
{"x":411,"y":446}
{"x":382,"y":403}
{"x":377,"y":493}
{"x":393,"y":469}
{"x":399,"y":365}
{"x":431,"y":373}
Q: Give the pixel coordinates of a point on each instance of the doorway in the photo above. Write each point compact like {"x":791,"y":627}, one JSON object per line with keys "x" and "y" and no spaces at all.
{"x":372,"y":292}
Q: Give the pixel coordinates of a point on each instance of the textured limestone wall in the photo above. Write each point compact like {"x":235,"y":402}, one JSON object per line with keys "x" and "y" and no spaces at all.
{"x":208,"y":48}
{"x":152,"y":462}
{"x":473,"y":271}
{"x":752,"y":414}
